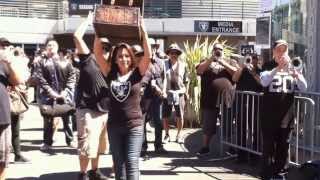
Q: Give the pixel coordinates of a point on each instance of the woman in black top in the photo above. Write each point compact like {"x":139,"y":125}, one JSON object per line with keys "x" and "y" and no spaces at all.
{"x":125,"y":124}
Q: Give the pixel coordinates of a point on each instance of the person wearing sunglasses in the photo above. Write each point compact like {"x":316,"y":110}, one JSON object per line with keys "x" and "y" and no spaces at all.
{"x":176,"y":89}
{"x":216,"y":82}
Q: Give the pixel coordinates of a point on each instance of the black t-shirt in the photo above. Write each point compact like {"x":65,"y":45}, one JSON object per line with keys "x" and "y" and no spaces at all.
{"x":4,"y":96}
{"x":212,"y":84}
{"x":125,"y":100}
{"x":247,"y":82}
{"x":92,"y":87}
{"x":278,"y":99}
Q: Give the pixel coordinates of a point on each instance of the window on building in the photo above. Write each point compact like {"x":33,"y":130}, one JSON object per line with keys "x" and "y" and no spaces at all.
{"x":162,"y":9}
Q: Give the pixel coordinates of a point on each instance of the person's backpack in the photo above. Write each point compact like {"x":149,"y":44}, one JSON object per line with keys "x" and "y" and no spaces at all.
{"x":307,"y":171}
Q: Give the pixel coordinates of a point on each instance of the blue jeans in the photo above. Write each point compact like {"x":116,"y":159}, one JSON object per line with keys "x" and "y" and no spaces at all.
{"x":155,"y":111}
{"x":125,"y":145}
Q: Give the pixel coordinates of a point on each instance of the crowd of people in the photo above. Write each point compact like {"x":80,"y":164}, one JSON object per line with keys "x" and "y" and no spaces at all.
{"x":109,"y":93}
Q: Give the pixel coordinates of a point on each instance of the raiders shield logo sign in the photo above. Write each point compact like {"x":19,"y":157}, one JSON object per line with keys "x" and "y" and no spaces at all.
{"x":120,"y":90}
{"x":74,"y":7}
{"x":203,"y":26}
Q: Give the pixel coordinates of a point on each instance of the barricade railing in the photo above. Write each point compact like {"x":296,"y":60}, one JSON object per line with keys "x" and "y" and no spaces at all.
{"x":240,"y":125}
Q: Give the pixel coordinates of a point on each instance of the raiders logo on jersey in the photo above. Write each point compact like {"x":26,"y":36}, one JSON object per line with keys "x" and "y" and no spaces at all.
{"x":282,"y":82}
{"x":120,"y":90}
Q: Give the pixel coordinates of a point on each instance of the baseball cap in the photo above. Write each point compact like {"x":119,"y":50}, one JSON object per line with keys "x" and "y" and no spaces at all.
{"x":174,"y":47}
{"x":137,"y":50}
{"x":280,"y":42}
{"x":4,"y":42}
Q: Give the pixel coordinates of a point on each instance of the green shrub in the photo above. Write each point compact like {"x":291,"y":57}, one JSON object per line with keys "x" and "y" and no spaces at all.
{"x":193,"y":54}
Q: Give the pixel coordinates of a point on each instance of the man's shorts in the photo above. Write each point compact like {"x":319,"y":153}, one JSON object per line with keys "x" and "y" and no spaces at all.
{"x":179,"y":109}
{"x":5,"y":144}
{"x":209,"y":121}
{"x":92,"y":132}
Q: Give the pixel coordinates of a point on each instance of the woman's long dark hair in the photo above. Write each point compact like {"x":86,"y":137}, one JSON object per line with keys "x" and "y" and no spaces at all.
{"x":114,"y":67}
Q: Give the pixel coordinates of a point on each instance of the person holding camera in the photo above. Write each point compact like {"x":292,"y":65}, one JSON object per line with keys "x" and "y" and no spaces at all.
{"x":279,"y":82}
{"x":10,"y":74}
{"x":176,"y":89}
{"x":247,"y":78}
{"x":57,"y":81}
{"x":216,"y":82}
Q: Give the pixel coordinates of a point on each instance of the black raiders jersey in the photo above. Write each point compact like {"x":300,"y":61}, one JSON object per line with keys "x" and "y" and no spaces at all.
{"x":278,"y":99}
{"x":282,"y":82}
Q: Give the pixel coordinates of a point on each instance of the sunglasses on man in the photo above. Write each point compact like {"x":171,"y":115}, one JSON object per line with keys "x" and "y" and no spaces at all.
{"x":174,"y":52}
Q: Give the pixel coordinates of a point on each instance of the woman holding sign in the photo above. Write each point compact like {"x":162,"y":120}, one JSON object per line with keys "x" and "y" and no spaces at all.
{"x":125,"y":124}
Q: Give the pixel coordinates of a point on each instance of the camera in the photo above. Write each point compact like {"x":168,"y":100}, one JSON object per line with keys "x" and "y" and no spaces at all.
{"x":248,"y":60}
{"x":296,"y":63}
{"x":218,"y":54}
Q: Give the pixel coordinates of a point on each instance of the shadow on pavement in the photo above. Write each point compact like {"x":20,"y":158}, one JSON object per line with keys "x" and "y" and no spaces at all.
{"x":32,"y":129}
{"x":31,"y":141}
{"x":57,"y":176}
{"x":55,"y":150}
{"x":158,"y":172}
{"x":203,"y":166}
{"x":24,"y":178}
{"x":171,"y":154}
{"x":193,"y":142}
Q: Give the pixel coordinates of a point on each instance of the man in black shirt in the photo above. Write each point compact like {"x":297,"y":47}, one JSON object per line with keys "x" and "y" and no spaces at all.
{"x":92,"y":108}
{"x":247,"y":78}
{"x":216,"y":81}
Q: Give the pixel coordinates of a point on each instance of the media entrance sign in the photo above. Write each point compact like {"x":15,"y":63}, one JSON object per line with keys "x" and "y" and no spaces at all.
{"x":218,"y":26}
{"x":82,"y":7}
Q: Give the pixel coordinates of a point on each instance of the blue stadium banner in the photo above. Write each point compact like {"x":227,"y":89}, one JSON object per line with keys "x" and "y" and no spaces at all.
{"x":82,"y":7}
{"x":218,"y":26}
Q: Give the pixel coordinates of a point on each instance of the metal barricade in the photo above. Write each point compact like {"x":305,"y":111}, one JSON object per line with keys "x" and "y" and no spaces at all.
{"x":240,"y":125}
{"x":302,"y":144}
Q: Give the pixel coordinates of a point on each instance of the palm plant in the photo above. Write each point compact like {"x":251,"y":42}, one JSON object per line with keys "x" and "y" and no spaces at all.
{"x":193,"y":54}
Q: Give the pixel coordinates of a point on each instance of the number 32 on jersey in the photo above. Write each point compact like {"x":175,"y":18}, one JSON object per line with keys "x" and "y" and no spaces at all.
{"x":282,"y":83}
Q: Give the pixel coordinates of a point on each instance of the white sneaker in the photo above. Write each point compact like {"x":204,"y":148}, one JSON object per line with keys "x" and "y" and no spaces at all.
{"x":179,"y":140}
{"x":45,"y":147}
{"x":73,"y":145}
{"x":112,"y":175}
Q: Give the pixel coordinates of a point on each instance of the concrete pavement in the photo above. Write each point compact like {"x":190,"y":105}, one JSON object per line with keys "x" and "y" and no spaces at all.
{"x":180,"y":164}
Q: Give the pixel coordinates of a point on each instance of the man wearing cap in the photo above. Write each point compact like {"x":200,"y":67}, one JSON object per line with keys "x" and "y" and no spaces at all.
{"x":279,"y":82}
{"x":154,"y":90}
{"x":92,"y":105}
{"x":176,"y":89}
{"x":216,"y":82}
{"x":10,"y":74}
